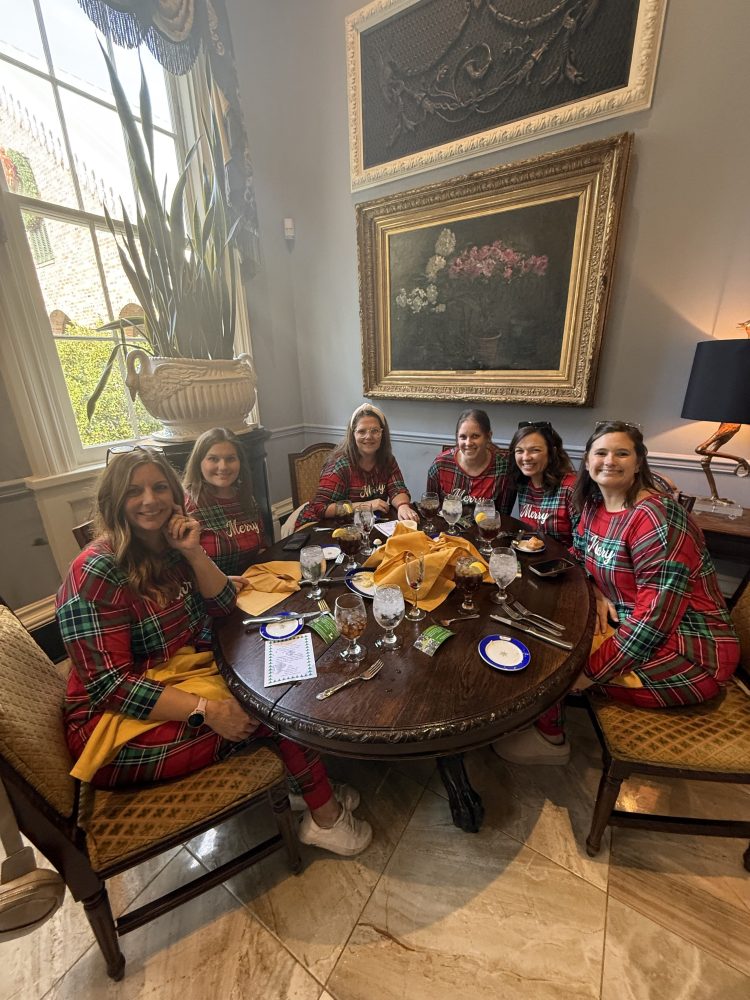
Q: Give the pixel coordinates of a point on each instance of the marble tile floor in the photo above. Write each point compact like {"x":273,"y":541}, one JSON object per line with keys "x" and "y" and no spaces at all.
{"x":516,"y":911}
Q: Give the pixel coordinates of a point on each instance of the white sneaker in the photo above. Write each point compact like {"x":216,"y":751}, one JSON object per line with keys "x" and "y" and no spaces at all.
{"x":530,"y":747}
{"x":348,"y":836}
{"x":345,"y":794}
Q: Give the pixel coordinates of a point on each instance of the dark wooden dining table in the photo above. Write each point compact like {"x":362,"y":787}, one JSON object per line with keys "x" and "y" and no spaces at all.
{"x":418,"y":705}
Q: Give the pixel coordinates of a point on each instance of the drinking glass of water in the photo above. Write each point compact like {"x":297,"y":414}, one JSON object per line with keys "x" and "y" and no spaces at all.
{"x":503,"y":569}
{"x":452,"y":511}
{"x":313,"y":565}
{"x":388,"y":608}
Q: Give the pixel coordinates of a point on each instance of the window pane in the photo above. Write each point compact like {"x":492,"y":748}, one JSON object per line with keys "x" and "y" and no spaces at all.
{"x":129,"y":72}
{"x":74,"y":47}
{"x":35,"y":161}
{"x":19,"y":33}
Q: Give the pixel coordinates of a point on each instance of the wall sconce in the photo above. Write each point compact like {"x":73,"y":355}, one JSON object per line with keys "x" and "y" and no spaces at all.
{"x":719,"y":389}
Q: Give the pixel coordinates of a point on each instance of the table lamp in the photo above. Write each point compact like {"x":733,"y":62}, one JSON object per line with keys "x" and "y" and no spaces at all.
{"x":719,"y":389}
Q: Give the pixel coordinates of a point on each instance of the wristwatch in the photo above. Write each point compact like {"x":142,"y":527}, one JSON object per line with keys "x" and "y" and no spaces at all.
{"x":198,"y":716}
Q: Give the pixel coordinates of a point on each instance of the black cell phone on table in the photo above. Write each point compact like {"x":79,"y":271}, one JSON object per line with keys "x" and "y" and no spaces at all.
{"x":296,"y":542}
{"x":550,"y":567}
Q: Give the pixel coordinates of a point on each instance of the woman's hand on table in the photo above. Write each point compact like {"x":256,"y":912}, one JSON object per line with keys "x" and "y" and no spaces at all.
{"x":376,"y":506}
{"x":240,"y":583}
{"x":406,"y":513}
{"x":229,"y":719}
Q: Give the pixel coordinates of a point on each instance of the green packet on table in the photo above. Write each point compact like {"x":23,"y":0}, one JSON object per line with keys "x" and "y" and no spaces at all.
{"x":432,"y":638}
{"x":325,"y":627}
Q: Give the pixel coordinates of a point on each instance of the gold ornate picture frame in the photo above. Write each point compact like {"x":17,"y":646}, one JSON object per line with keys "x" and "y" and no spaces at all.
{"x":493,"y":286}
{"x":431,"y":81}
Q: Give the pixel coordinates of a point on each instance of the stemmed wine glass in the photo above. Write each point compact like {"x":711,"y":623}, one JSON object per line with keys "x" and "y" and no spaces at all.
{"x":452,"y":511}
{"x":428,"y":507}
{"x":388,"y":609}
{"x":364,"y":519}
{"x":414,"y":571}
{"x":351,"y":619}
{"x":349,"y":537}
{"x":313,"y":565}
{"x":469,"y":576}
{"x":488,"y":524}
{"x":503,"y":569}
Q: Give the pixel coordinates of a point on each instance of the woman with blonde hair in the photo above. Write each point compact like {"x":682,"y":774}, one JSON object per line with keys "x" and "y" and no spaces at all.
{"x":362,"y":472}
{"x":135,"y":615}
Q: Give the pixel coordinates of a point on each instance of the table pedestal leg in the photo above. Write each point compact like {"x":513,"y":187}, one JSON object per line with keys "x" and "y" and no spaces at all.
{"x":466,"y":806}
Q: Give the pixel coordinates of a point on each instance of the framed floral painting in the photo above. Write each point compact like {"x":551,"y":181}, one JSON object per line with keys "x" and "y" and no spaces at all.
{"x":493,"y":286}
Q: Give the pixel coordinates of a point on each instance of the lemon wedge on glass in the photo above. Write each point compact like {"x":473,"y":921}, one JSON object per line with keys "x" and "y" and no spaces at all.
{"x":479,"y":566}
{"x":338,"y":532}
{"x":480,"y":517}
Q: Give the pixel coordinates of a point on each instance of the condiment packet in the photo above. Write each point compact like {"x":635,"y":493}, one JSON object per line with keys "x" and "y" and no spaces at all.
{"x":432,"y":638}
{"x":325,"y":627}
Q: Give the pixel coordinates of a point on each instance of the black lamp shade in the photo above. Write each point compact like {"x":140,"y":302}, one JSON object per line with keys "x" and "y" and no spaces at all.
{"x":719,"y":386}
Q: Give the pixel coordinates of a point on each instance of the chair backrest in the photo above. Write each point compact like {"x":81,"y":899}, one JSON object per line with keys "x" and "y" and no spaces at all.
{"x":32,"y":742}
{"x":84,"y":533}
{"x":304,"y":470}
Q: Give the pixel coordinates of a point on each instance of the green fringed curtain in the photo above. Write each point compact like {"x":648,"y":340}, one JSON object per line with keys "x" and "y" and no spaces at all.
{"x":175,"y":31}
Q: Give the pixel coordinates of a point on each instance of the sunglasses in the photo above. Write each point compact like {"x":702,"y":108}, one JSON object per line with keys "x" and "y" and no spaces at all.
{"x":125,"y":449}
{"x":618,"y":423}
{"x":541,"y":424}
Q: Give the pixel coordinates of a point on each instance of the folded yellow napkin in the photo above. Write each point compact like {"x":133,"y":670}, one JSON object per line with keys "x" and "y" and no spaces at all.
{"x":440,"y":557}
{"x":187,"y":670}
{"x":271,"y":582}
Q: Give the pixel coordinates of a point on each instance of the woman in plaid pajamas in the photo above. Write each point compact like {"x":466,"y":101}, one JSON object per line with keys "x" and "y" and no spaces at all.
{"x":673,"y":644}
{"x":545,"y":480}
{"x":362,"y":472}
{"x":475,"y":469}
{"x":218,"y":494}
{"x":140,"y":592}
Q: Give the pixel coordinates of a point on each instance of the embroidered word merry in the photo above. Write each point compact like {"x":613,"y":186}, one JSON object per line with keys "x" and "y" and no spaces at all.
{"x":233,"y":528}
{"x":535,"y":515}
{"x":377,"y":490}
{"x":603,"y":550}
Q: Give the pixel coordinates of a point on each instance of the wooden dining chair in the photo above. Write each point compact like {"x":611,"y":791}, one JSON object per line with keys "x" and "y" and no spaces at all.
{"x":708,"y":742}
{"x":304,"y":471}
{"x":88,"y":834}
{"x":84,"y":533}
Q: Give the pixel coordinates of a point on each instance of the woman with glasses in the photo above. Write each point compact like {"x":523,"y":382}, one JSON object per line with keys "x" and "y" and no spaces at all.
{"x":144,"y":699}
{"x":475,"y":469}
{"x":362,"y":472}
{"x":544,"y":479}
{"x":673,"y":643}
{"x":219,"y":495}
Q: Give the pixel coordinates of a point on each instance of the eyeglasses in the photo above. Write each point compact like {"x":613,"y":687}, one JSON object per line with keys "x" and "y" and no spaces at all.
{"x":535,"y":423}
{"x":125,"y":449}
{"x":369,"y":433}
{"x":619,"y":423}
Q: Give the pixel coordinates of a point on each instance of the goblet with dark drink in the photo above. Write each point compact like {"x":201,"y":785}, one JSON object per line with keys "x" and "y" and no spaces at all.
{"x":428,"y":507}
{"x":351,"y":620}
{"x":469,"y":575}
{"x":489,"y":529}
{"x":349,"y":538}
{"x":344,"y":513}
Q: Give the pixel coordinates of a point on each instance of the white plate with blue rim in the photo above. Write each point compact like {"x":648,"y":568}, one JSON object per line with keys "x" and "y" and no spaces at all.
{"x":331,"y":551}
{"x":361,"y":581}
{"x":285,"y":629}
{"x":504,"y":653}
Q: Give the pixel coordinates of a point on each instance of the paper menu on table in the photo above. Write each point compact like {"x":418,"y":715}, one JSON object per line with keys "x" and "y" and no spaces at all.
{"x":289,"y":660}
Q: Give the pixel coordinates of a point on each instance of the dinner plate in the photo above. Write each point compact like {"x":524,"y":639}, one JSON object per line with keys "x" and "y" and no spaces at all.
{"x":351,"y":581}
{"x":331,"y":551}
{"x":282,"y":630}
{"x":520,"y":546}
{"x":504,"y":653}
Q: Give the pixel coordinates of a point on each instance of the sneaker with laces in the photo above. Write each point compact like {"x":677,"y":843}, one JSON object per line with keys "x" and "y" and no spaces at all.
{"x":348,"y":835}
{"x":345,"y":794}
{"x":530,"y":747}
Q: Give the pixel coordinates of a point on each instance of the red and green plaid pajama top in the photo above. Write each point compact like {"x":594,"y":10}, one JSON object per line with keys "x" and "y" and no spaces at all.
{"x":447,"y":478}
{"x":674,"y":629}
{"x":228,"y":535}
{"x":340,"y":482}
{"x":550,"y":511}
{"x":114,"y":635}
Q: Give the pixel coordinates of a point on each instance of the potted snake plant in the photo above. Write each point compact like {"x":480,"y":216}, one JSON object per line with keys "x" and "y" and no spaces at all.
{"x":179,"y":257}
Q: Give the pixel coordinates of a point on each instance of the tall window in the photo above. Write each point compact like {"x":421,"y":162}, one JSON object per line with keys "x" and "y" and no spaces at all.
{"x":62,"y":155}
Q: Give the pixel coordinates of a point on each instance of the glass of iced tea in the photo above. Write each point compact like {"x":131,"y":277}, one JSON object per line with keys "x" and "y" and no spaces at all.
{"x":351,"y":620}
{"x":428,"y":507}
{"x":469,"y":574}
{"x":349,"y":537}
{"x":489,"y":528}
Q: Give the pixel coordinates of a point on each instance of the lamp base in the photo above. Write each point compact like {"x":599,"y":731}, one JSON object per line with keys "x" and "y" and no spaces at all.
{"x":721,"y":508}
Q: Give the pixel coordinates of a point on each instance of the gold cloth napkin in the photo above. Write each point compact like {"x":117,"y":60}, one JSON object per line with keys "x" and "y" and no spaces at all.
{"x":187,"y":670}
{"x":271,"y":582}
{"x":440,"y":558}
{"x":629,"y":679}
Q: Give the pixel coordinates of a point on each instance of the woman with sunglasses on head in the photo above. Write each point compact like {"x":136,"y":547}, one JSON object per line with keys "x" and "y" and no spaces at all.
{"x":218,"y":494}
{"x":362,"y":472}
{"x":144,"y":701}
{"x":673,"y":643}
{"x":476,"y":469}
{"x":545,"y":480}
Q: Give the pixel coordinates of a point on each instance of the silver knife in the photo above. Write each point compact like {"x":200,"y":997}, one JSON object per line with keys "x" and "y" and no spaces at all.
{"x":560,"y":643}
{"x":279,"y":618}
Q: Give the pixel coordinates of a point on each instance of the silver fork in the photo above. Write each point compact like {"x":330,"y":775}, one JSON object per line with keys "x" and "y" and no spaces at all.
{"x":366,"y":675}
{"x":532,"y":614}
{"x":516,"y":616}
{"x":324,"y":607}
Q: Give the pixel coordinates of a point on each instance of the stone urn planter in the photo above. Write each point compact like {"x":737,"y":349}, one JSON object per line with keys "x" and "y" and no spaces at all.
{"x":191,"y":396}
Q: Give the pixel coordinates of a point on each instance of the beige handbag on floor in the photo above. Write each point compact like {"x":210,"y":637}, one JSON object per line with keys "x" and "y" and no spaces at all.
{"x":28,"y":895}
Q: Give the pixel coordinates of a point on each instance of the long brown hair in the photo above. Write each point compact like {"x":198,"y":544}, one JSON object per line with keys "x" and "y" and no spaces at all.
{"x":348,"y":447}
{"x":196,"y":487}
{"x":586,"y":488}
{"x":558,"y":460}
{"x":147,"y":571}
